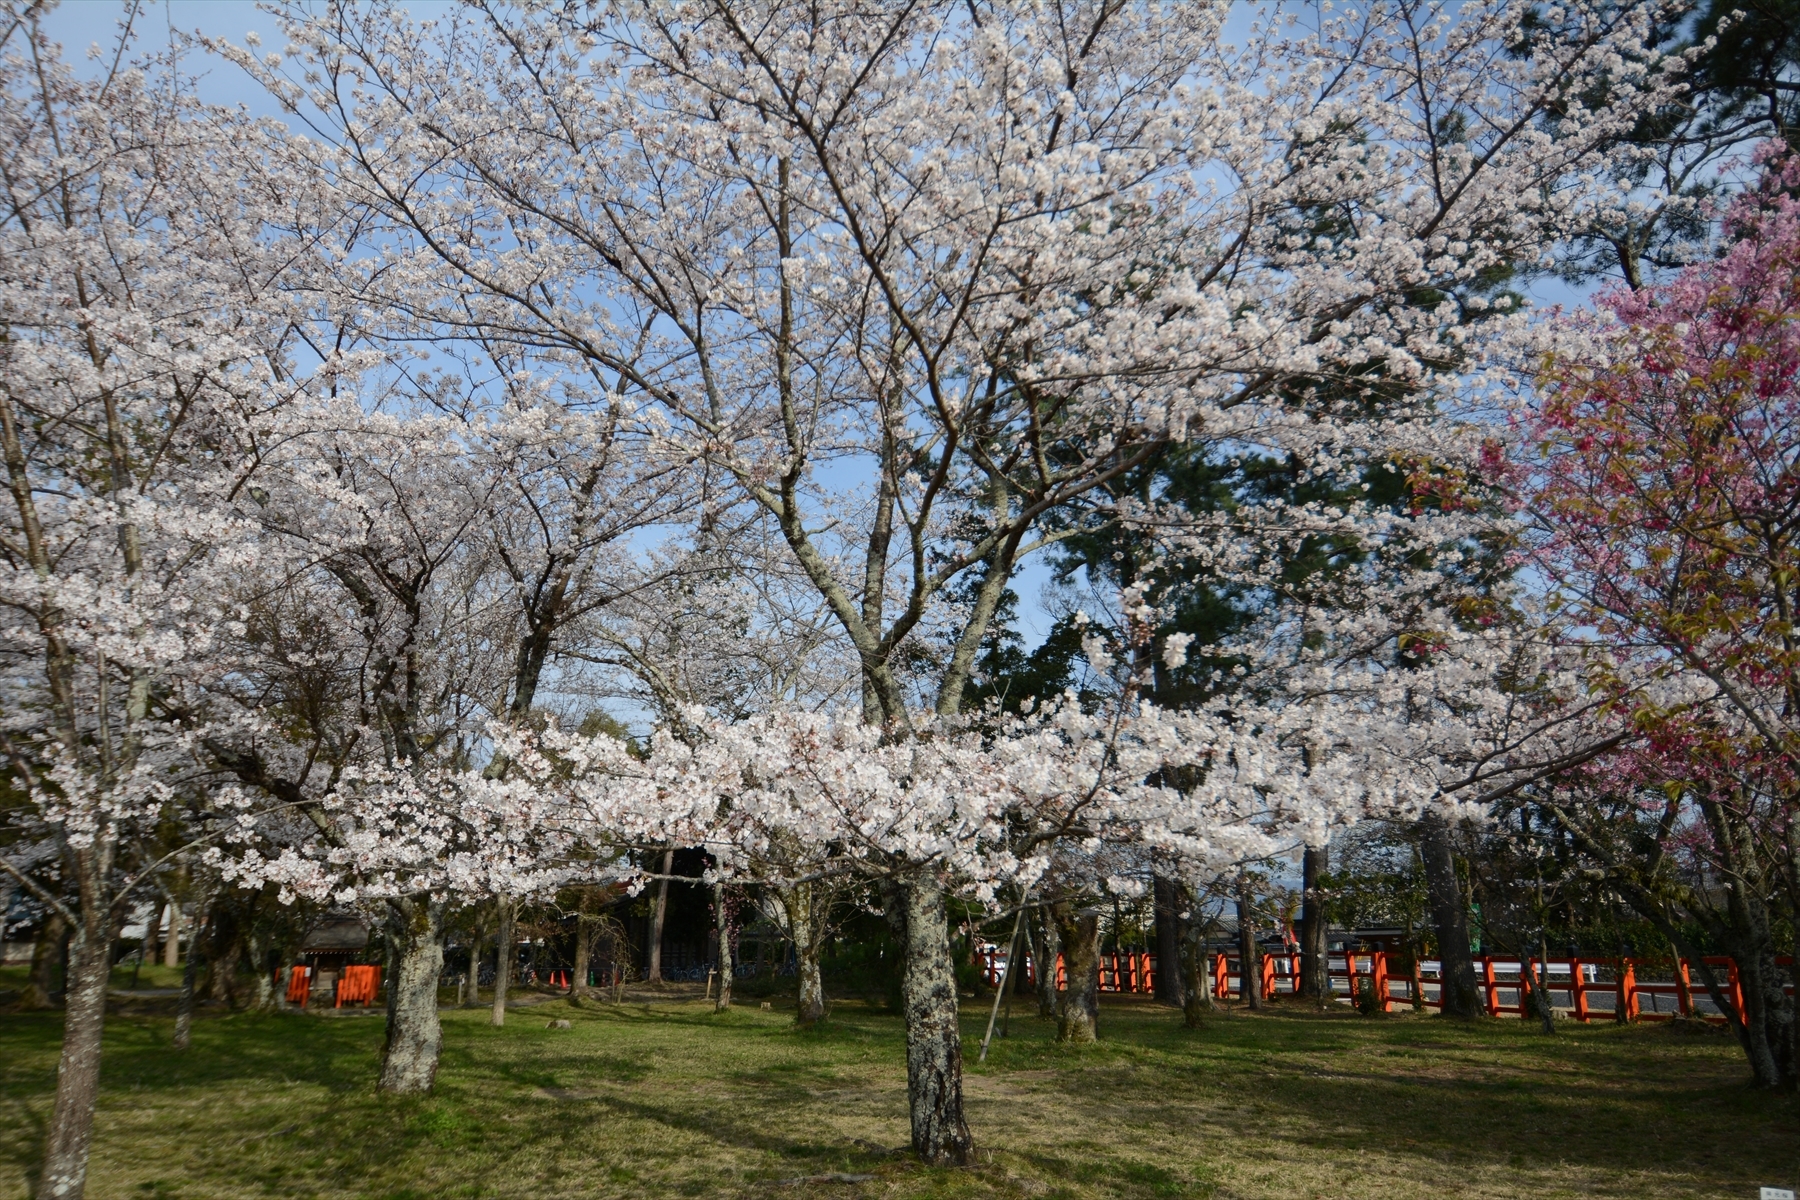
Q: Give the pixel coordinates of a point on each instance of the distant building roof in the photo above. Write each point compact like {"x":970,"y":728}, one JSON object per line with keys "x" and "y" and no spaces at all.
{"x":336,"y":933}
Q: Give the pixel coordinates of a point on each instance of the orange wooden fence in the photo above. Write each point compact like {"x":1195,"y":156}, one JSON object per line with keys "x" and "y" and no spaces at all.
{"x":1574,"y":984}
{"x":358,"y":985}
{"x":299,"y":984}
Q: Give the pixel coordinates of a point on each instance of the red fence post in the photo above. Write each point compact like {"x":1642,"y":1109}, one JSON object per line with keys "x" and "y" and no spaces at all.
{"x":1578,"y":988}
{"x":1628,"y":993}
{"x":1493,"y":989}
{"x":1379,"y":967}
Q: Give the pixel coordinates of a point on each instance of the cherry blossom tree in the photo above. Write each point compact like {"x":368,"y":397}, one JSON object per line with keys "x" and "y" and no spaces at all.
{"x":1662,"y":494}
{"x":914,"y":278}
{"x":424,"y":562}
{"x":139,"y":365}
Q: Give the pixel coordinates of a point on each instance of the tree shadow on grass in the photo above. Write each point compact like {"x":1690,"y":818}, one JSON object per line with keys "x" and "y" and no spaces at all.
{"x":1491,"y":1093}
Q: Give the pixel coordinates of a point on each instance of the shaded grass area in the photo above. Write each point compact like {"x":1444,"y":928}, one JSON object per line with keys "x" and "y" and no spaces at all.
{"x":673,"y":1100}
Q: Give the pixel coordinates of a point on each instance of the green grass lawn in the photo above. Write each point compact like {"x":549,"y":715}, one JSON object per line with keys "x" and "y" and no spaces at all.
{"x":671,"y":1100}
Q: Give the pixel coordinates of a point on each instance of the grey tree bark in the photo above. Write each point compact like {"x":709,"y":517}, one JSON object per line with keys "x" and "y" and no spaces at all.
{"x":184,"y":1004}
{"x":807,"y":930}
{"x":1197,"y":971}
{"x":584,"y":958}
{"x":259,"y":962}
{"x":1078,"y":1017}
{"x":78,"y":1071}
{"x":415,"y":1037}
{"x":654,"y":973}
{"x":1249,"y":953}
{"x":172,"y":947}
{"x":506,"y":908}
{"x":1315,"y":979}
{"x":46,"y":953}
{"x":940,"y":1133}
{"x":471,"y":997}
{"x":1449,"y":918}
{"x":723,"y":922}
{"x":153,"y":933}
{"x":1045,"y":947}
{"x":1171,"y":985}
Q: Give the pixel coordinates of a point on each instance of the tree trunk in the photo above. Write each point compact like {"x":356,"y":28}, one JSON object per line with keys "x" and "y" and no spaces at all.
{"x":1450,"y":919}
{"x":259,"y":962}
{"x":503,"y":958}
{"x":1045,"y":947}
{"x":1249,"y":953}
{"x":78,"y":1072}
{"x":1197,"y":971}
{"x":222,"y":978}
{"x":184,"y":1005}
{"x":45,"y":955}
{"x":1078,"y":1017}
{"x":172,"y":947}
{"x":409,"y":1060}
{"x":940,"y":1135}
{"x":1170,"y":984}
{"x":654,"y":974}
{"x":471,"y":997}
{"x":153,"y":935}
{"x":584,"y":959}
{"x":723,"y":921}
{"x":1540,"y":985}
{"x":805,"y":928}
{"x":1315,"y":979}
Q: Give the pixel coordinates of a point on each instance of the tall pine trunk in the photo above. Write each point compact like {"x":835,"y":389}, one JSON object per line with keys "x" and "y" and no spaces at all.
{"x":1450,"y":919}
{"x":409,"y":1060}
{"x":1045,"y":946}
{"x":471,"y":997}
{"x":190,"y":975}
{"x":723,"y":922}
{"x":172,"y":947}
{"x":940,"y":1134}
{"x":1249,"y":953}
{"x":503,"y":958}
{"x":78,"y":1071}
{"x":657,"y":917}
{"x":1078,"y":1017}
{"x":1315,"y":978}
{"x":1171,"y":986}
{"x":584,"y":958}
{"x":152,"y":949}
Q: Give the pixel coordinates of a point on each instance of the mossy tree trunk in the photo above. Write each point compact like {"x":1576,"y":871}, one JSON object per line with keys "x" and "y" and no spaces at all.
{"x":409,"y":1060}
{"x":78,"y":1071}
{"x":1078,"y":1017}
{"x":940,"y":1133}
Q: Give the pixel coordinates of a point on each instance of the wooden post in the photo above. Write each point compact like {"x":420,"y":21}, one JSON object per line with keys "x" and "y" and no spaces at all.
{"x":1221,"y":976}
{"x":1628,"y":989}
{"x":1379,"y":967}
{"x":1268,"y":976}
{"x":1492,"y":988}
{"x":1684,"y":991}
{"x":1578,"y":988}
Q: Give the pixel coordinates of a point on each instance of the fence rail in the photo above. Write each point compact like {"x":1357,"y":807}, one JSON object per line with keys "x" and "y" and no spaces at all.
{"x":1585,"y":989}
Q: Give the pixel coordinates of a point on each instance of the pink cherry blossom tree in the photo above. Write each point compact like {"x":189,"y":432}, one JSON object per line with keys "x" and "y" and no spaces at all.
{"x":1663,"y":499}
